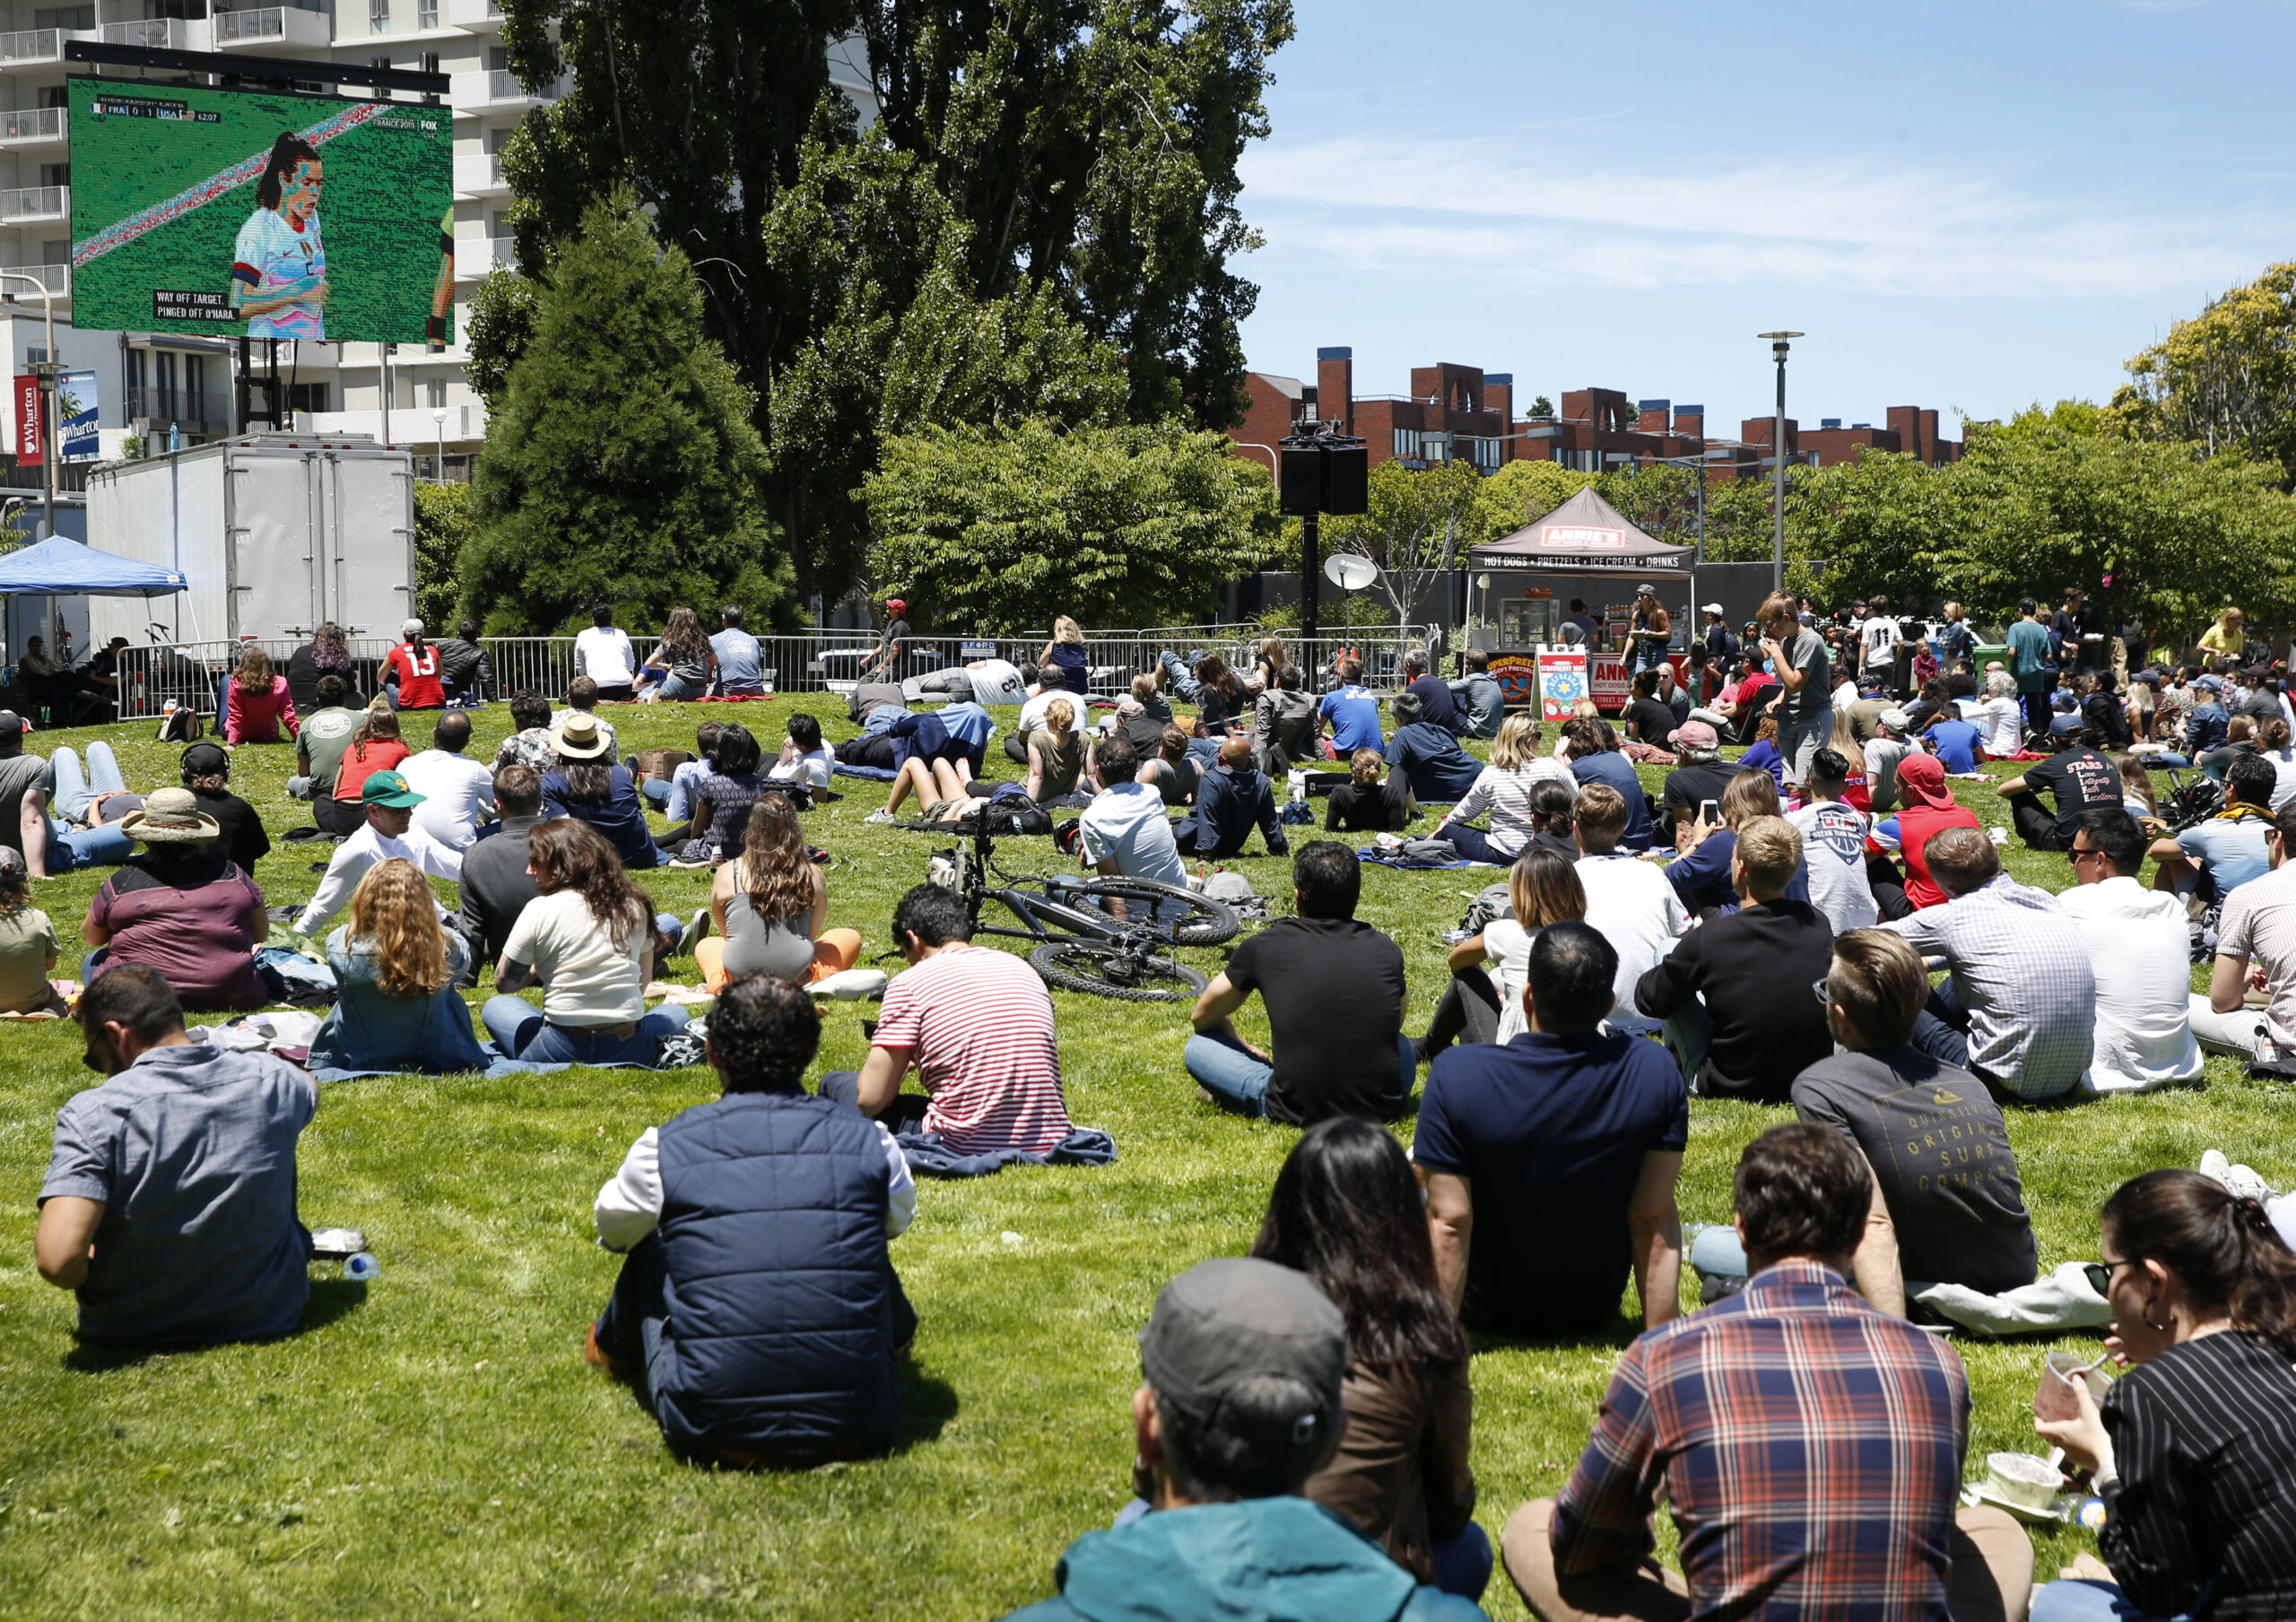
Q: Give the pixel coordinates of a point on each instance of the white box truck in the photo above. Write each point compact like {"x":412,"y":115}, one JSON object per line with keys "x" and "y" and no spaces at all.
{"x":276,"y":533}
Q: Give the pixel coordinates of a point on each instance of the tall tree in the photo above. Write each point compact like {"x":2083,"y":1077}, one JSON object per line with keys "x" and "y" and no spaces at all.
{"x":2225,"y":378}
{"x":998,"y":530}
{"x":621,"y":467}
{"x":1074,"y":159}
{"x":1414,"y":525}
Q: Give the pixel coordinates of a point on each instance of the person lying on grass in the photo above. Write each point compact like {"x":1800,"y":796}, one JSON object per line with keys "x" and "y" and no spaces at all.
{"x":758,"y":1315}
{"x":168,"y":1206}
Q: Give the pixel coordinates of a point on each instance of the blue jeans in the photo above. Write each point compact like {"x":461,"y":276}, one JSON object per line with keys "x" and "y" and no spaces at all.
{"x":2083,"y":1600}
{"x":1178,"y":678}
{"x":1942,"y":1028}
{"x":1472,"y":842}
{"x":520,"y":1030}
{"x":673,"y":686}
{"x":1718,"y":1250}
{"x":1799,"y":739}
{"x":1238,"y":1082}
{"x":75,"y":847}
{"x":73,"y":791}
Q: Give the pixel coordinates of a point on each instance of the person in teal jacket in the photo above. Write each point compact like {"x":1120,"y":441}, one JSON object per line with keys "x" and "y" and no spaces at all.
{"x":1242,"y":1364}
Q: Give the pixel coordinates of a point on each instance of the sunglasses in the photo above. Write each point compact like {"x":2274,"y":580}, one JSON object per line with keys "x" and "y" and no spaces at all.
{"x":2099,"y":1274}
{"x":2079,"y":851}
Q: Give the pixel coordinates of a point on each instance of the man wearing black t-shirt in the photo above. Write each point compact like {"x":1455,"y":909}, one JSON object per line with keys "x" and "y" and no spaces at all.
{"x":1438,"y":704}
{"x":1649,"y":719}
{"x":1701,"y":776}
{"x":1335,"y":994}
{"x":2079,"y":777}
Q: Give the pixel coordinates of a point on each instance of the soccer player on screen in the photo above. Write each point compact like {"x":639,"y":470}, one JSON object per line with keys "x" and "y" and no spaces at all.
{"x":279,"y":269}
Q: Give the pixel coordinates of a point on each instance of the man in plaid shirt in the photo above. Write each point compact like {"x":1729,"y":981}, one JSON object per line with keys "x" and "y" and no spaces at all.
{"x":1810,"y":1447}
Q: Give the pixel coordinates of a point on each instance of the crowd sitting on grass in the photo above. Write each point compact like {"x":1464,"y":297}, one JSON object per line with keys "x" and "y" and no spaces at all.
{"x":1305,"y":1413}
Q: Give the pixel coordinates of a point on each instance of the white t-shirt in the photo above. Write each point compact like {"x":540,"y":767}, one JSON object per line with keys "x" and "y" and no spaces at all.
{"x":813,"y":769}
{"x":2139,"y":949}
{"x":1508,"y":944}
{"x":2002,"y":719}
{"x":1127,"y":822}
{"x":996,"y":681}
{"x":1833,"y":850}
{"x":2259,"y":923}
{"x":1631,"y":905}
{"x":280,"y":257}
{"x":1032,"y":711}
{"x":1878,"y":638}
{"x":602,"y":653}
{"x":2284,"y":787}
{"x":586,"y":981}
{"x":455,"y":789}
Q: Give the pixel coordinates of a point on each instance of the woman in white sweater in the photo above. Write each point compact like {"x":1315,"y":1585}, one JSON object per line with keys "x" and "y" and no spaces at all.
{"x":1503,"y":790}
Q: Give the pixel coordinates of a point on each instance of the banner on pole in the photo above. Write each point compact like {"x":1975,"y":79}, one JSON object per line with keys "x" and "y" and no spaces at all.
{"x":27,"y":439}
{"x":76,"y":438}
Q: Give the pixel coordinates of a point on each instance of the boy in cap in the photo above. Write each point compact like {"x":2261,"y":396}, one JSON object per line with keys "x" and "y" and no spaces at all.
{"x":412,"y":669}
{"x":1240,"y":1403}
{"x":388,"y":831}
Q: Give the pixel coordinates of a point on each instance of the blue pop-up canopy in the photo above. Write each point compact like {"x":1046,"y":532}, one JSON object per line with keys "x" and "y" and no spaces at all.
{"x":63,"y":567}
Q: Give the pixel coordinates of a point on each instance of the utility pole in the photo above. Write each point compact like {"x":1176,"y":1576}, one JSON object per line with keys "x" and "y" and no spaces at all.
{"x":1779,"y":342}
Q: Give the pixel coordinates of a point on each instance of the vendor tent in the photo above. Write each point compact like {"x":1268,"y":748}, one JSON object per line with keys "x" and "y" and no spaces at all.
{"x":1585,"y":532}
{"x":62,"y":568}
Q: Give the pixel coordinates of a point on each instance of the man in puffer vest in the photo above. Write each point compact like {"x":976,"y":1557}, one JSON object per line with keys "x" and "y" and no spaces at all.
{"x":759,"y":1315}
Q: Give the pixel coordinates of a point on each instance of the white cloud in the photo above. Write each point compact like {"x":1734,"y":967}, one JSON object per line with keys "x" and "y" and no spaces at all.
{"x":1855,"y":225}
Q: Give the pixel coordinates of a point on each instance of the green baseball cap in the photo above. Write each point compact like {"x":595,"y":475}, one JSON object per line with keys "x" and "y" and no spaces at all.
{"x":388,"y":788}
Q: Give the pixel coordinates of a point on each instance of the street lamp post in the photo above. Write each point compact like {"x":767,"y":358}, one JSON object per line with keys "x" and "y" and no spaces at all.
{"x":46,"y":372}
{"x":1779,"y":342}
{"x":439,"y":416}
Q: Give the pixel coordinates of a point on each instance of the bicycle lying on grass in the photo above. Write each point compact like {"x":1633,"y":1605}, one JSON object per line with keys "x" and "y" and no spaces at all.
{"x":1111,"y":937}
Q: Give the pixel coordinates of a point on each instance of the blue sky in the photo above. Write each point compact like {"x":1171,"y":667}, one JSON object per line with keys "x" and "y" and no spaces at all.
{"x":1965,"y":206}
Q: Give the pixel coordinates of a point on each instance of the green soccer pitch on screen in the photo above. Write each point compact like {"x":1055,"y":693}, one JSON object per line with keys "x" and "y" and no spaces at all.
{"x":225,"y":211}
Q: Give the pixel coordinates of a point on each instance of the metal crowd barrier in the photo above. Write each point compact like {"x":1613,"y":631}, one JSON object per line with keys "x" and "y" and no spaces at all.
{"x":190,"y":675}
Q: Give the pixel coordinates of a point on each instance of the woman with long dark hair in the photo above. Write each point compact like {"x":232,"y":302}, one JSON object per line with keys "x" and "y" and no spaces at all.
{"x":1542,"y":888}
{"x":257,"y":703}
{"x":682,"y":663}
{"x":375,"y":746}
{"x":278,"y":262}
{"x":720,"y":798}
{"x":588,"y":940}
{"x":2193,"y":1451}
{"x":768,"y":905}
{"x":1347,"y":1211}
{"x":326,"y":653}
{"x":587,"y":786}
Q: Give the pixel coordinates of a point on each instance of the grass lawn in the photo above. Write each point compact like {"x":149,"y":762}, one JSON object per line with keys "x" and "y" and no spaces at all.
{"x":433,"y":1444}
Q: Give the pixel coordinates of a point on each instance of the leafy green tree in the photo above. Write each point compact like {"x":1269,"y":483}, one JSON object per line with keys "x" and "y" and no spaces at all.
{"x":2224,"y":379}
{"x":993,"y":531}
{"x":622,"y":466}
{"x":442,"y":527}
{"x":1416,"y":525}
{"x":1085,"y":152}
{"x":1524,"y":492}
{"x":501,"y":325}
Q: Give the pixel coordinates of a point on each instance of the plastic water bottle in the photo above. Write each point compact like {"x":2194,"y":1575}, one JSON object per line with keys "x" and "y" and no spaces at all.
{"x":361,"y":1267}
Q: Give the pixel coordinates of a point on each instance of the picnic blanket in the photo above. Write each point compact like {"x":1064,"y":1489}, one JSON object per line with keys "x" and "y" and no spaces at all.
{"x":875,"y":774}
{"x":929,"y":1157}
{"x":1372,"y":853}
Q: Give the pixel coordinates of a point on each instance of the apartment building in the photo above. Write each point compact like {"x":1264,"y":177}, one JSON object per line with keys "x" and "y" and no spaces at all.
{"x":178,"y":388}
{"x":1455,"y":414}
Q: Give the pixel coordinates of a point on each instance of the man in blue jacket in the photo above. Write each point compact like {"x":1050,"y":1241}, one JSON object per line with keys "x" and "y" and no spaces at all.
{"x":1231,"y":800}
{"x":758,"y":1315}
{"x":1239,"y":1404}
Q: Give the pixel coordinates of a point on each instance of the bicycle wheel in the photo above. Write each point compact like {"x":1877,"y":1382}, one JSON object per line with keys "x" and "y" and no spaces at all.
{"x":1109,"y":971}
{"x":1179,"y":916}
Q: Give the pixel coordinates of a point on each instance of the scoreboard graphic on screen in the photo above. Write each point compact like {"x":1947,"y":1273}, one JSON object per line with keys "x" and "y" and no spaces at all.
{"x":229,"y":211}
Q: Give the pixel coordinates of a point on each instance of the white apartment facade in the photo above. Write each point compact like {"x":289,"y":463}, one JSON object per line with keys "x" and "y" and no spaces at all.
{"x":178,"y":389}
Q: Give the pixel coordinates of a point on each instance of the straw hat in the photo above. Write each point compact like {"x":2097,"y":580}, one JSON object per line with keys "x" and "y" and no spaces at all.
{"x":170,"y":816}
{"x":577,"y":736}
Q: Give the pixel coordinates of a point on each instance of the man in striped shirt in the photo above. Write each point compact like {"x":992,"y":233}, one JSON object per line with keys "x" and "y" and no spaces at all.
{"x":976,"y":1025}
{"x":1808,"y":1445}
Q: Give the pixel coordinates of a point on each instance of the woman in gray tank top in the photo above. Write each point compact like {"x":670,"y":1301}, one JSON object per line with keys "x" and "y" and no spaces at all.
{"x":768,"y":905}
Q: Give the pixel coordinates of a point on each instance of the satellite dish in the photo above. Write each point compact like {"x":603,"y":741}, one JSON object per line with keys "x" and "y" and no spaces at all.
{"x":1349,"y":572}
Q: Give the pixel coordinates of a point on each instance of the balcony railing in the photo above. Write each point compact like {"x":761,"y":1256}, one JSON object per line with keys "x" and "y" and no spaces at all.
{"x":502,"y":85}
{"x":56,"y":278}
{"x":270,"y":22}
{"x":180,"y":404}
{"x":31,"y":124}
{"x":150,"y":33}
{"x":32,"y":44}
{"x":36,"y":202}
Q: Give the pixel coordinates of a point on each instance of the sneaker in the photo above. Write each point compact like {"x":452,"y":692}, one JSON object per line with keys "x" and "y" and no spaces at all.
{"x":695,"y":928}
{"x":880,"y":817}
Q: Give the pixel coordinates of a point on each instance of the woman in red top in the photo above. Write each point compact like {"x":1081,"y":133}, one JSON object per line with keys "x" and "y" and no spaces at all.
{"x":375,"y":747}
{"x":256,"y":705}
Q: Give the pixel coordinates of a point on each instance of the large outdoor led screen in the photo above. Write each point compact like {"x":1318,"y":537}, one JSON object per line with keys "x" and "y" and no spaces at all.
{"x":224,"y":211}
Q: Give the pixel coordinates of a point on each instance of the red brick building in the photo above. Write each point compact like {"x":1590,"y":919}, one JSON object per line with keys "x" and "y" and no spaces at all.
{"x":1456,"y":413}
